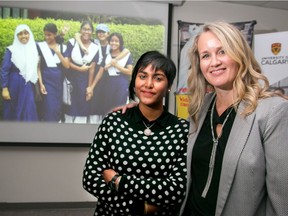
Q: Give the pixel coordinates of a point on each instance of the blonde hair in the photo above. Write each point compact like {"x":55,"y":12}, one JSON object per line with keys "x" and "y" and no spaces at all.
{"x":249,"y":85}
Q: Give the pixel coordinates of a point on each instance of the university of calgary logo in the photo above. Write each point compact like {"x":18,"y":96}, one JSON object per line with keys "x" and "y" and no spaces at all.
{"x":276,"y":48}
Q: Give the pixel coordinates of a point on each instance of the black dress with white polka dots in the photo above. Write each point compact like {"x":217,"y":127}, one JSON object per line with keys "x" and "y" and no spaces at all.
{"x":153,"y":168}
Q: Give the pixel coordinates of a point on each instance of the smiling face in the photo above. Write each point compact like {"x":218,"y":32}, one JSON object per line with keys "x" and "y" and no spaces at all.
{"x":102,"y":36}
{"x":23,"y":36}
{"x":217,"y":67}
{"x":114,"y":43}
{"x":49,"y":37}
{"x":151,"y":86}
{"x":86,"y":32}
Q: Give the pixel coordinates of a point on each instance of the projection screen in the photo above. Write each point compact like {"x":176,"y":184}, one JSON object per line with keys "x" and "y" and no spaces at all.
{"x":23,"y":133}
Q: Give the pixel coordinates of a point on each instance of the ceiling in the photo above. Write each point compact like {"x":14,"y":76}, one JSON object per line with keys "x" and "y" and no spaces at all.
{"x":283,"y":5}
{"x":267,"y":4}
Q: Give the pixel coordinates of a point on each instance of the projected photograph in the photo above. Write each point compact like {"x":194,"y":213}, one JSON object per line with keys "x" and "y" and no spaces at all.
{"x":63,"y":68}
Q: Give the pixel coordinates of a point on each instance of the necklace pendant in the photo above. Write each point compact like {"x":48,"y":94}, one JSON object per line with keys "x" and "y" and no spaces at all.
{"x":147,"y":132}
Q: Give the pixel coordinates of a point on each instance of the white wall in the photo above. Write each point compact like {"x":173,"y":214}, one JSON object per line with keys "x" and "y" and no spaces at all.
{"x":53,"y":174}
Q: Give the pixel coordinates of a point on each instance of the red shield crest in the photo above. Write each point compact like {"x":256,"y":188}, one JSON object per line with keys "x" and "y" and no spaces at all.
{"x":275,"y":48}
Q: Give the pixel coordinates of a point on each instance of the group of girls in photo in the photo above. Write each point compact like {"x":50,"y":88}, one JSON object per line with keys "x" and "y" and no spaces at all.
{"x":77,"y":81}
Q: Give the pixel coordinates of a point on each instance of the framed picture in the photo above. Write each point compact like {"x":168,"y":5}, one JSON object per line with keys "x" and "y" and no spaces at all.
{"x":142,"y":27}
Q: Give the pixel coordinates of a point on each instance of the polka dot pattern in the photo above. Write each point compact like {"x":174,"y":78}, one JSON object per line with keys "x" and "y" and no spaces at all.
{"x":153,"y":168}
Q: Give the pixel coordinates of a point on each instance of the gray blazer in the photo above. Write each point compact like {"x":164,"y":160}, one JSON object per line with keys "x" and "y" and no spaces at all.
{"x":254,"y":177}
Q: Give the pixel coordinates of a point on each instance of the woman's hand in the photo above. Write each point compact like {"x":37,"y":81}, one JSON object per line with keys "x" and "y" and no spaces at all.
{"x":126,"y":106}
{"x":107,"y":66}
{"x":64,"y":30}
{"x":108,"y":174}
{"x":55,"y":48}
{"x":43,"y":89}
{"x":112,"y":63}
{"x":85,"y":67}
{"x":89,"y":93}
{"x":149,"y":209}
{"x":6,"y":94}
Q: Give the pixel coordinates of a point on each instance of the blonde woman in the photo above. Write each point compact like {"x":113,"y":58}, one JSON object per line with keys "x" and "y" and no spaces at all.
{"x":237,"y":149}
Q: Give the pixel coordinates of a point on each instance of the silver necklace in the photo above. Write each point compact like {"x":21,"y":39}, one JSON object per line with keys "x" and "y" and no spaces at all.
{"x":215,"y":144}
{"x":148,"y":131}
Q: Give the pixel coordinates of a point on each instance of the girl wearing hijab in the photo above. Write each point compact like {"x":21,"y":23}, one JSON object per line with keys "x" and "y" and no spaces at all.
{"x":18,"y":77}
